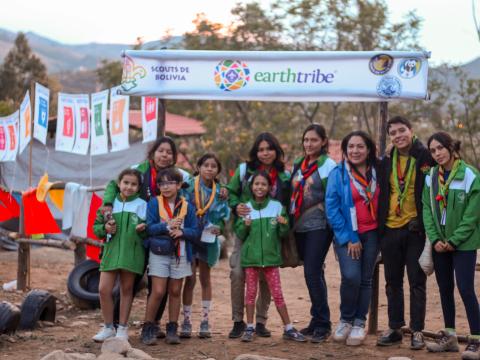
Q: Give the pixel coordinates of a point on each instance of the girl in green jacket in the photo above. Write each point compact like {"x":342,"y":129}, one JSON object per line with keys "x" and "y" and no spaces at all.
{"x":261,"y":231}
{"x":123,"y":251}
{"x":451,"y":201}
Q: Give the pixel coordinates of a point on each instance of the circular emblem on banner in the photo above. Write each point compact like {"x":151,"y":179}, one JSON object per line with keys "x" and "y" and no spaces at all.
{"x":409,"y":68}
{"x":231,"y":75}
{"x":389,"y":87}
{"x":380,"y":64}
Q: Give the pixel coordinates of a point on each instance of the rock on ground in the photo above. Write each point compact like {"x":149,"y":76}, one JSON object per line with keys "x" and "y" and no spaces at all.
{"x":256,"y":357}
{"x":138,"y":354}
{"x":114,"y":345}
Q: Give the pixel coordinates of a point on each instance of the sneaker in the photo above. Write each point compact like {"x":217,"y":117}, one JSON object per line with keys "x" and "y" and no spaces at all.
{"x":472,"y":351}
{"x":122,"y":332}
{"x":104,"y":334}
{"x":248,"y":334}
{"x":320,"y":335}
{"x":237,"y":330}
{"x":417,"y":342}
{"x":294,"y":335}
{"x":445,"y":342}
{"x":342,"y":331}
{"x":149,"y":333}
{"x":204,"y":331}
{"x":172,"y":337}
{"x":390,"y":337}
{"x":186,"y":330}
{"x":356,"y":336}
{"x":262,"y":331}
{"x":308,"y":331}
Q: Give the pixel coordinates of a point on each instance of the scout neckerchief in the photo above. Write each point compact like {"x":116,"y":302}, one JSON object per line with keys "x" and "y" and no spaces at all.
{"x":200,"y":197}
{"x":297,"y":194}
{"x":401,"y":179}
{"x":273,"y":175}
{"x":366,"y":187}
{"x":442,"y":196}
{"x":179,"y":211}
{"x":153,"y":179}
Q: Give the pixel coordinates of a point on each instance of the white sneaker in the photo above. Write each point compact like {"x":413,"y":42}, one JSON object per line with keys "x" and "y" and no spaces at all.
{"x":342,"y":331}
{"x":104,"y":334}
{"x":356,"y":336}
{"x":122,"y":332}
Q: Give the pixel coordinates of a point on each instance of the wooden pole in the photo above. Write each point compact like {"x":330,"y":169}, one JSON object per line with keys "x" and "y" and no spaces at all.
{"x":382,"y":142}
{"x":23,"y":264}
{"x":162,"y":117}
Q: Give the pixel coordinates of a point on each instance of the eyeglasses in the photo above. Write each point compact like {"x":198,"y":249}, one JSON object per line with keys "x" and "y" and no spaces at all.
{"x":167,"y":183}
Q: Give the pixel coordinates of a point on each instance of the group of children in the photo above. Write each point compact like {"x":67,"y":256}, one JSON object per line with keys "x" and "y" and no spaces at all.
{"x":174,"y":234}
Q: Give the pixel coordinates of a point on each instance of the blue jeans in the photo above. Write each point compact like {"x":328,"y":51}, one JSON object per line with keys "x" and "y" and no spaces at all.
{"x":356,"y":284}
{"x":313,"y":248}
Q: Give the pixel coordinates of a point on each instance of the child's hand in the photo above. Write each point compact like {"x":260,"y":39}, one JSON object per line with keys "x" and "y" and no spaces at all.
{"x":106,"y":209}
{"x":176,"y":233}
{"x":223,"y":195}
{"x":247,"y":221}
{"x":281,"y":220}
{"x":242,"y":210}
{"x":175,"y":223}
{"x":140,"y":227}
{"x":216,"y":231}
{"x":111,"y":227}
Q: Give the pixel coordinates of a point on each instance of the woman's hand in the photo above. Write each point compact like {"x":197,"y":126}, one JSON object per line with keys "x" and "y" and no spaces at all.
{"x":223,"y":195}
{"x":439,"y":247}
{"x":176,"y":233}
{"x":242,"y":210}
{"x":111,"y":227}
{"x":281,"y":220}
{"x":140,"y":227}
{"x":354,"y":250}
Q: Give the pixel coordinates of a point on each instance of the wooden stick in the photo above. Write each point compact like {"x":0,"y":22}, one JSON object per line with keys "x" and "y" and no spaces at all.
{"x":88,"y":241}
{"x":62,"y":244}
{"x":23,"y":262}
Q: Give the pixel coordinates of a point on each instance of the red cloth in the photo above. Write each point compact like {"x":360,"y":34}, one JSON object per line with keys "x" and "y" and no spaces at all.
{"x":37,"y":216}
{"x":93,"y":252}
{"x":365,"y":220}
{"x":8,"y":206}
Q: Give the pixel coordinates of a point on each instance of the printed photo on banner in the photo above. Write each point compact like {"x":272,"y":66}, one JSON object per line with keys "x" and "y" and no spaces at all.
{"x":65,"y":134}
{"x":82,"y":124}
{"x":42,"y":103}
{"x":98,"y":127}
{"x":9,"y":136}
{"x":149,"y":118}
{"x":119,"y":108}
{"x":25,"y":133}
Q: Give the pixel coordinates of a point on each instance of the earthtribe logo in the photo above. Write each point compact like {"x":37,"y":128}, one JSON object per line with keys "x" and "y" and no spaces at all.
{"x":231,"y":75}
{"x":131,"y":73}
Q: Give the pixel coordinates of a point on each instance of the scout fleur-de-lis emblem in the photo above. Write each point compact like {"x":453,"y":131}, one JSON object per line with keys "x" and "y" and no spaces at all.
{"x":131,"y":73}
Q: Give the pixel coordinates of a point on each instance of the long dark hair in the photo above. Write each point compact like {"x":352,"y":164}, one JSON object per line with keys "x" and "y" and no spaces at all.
{"x":254,"y":163}
{"x":444,"y":138}
{"x":160,"y":141}
{"x":372,"y":148}
{"x":322,"y":134}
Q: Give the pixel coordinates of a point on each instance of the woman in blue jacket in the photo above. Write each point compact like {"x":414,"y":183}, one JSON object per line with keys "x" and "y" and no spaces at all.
{"x":351,"y":207}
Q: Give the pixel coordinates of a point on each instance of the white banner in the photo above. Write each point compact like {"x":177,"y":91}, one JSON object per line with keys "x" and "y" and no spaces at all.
{"x":99,"y":123}
{"x":25,"y":134}
{"x":82,"y":124}
{"x":276,"y":75}
{"x":65,"y":134}
{"x":119,"y":107}
{"x":9,"y":136}
{"x":149,"y":118}
{"x":40,"y":125}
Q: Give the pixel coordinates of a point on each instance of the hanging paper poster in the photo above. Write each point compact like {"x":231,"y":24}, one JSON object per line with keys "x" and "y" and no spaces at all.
{"x":82,"y":124}
{"x":65,"y":134}
{"x":149,"y":118}
{"x":119,"y":107}
{"x":25,"y":133}
{"x":40,"y":118}
{"x":99,"y":123}
{"x":9,"y":136}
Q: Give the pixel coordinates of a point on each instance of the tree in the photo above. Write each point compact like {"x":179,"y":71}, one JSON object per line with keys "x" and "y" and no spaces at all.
{"x":20,"y":69}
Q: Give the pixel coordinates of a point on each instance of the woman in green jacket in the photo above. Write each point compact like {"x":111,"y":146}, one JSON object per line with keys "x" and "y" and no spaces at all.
{"x":451,"y":201}
{"x":261,"y":232}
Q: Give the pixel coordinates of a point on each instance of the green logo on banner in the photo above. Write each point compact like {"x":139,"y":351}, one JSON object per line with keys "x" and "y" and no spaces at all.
{"x":97,"y":116}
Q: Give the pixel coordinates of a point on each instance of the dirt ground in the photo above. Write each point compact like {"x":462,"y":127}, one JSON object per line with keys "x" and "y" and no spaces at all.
{"x":74,"y":328}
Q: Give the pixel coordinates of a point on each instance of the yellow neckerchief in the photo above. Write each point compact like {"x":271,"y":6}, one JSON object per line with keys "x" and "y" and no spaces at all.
{"x":163,"y":212}
{"x":198,"y":203}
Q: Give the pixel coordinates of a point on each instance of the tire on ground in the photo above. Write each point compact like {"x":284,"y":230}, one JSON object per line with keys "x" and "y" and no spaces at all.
{"x":37,"y":305}
{"x":9,"y":318}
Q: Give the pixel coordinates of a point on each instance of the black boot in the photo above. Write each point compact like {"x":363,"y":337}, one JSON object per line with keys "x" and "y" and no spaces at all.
{"x":172,"y":336}
{"x":237,"y":330}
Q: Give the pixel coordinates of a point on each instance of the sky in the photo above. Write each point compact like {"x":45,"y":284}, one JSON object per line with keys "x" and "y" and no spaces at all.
{"x":448,"y":28}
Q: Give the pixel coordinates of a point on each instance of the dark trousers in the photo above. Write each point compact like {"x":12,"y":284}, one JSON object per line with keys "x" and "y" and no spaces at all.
{"x":401,"y":248}
{"x":313,"y":248}
{"x":460,"y":264}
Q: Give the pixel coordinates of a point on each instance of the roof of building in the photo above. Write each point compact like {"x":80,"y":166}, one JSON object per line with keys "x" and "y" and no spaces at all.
{"x":175,"y":124}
